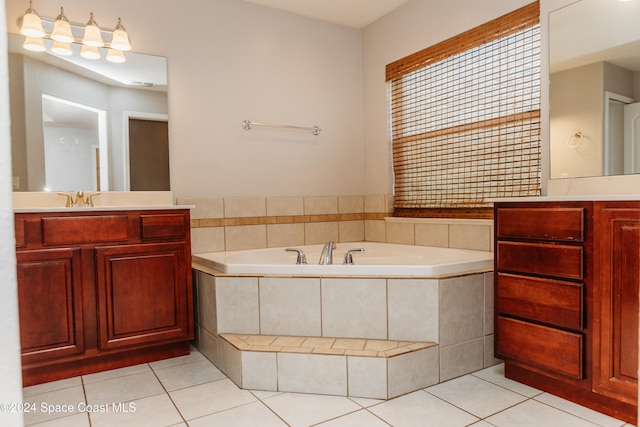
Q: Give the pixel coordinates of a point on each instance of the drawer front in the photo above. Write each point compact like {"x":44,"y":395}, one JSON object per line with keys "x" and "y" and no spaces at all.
{"x":544,"y":300}
{"x":541,"y":223}
{"x":163,"y":226}
{"x":548,"y":348}
{"x":562,"y":261}
{"x":20,"y":226}
{"x":84,"y":229}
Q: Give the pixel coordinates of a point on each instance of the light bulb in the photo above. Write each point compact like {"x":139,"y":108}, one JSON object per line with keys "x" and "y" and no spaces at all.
{"x":62,"y":29}
{"x":120,"y":40}
{"x":90,"y":52}
{"x":34,"y":44}
{"x":117,"y":56}
{"x":92,"y":35}
{"x":61,"y":48}
{"x":31,"y":24}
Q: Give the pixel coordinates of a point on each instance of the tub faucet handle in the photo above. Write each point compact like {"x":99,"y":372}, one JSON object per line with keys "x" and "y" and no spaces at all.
{"x":301,"y":259}
{"x":348,"y":257}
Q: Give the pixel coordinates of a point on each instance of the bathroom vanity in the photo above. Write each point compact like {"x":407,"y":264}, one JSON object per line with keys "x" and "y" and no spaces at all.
{"x":102,"y":288}
{"x":567,"y":274}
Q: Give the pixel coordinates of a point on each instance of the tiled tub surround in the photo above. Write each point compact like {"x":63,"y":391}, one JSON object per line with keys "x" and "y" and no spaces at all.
{"x":446,"y":323}
{"x":236,"y":223}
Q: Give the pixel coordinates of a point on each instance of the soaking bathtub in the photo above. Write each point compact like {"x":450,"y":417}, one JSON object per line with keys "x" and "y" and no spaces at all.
{"x":378,"y":259}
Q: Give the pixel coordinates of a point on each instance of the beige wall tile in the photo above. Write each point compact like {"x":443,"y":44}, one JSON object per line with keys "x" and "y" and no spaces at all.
{"x":461,"y":359}
{"x":259,"y":371}
{"x":351,"y":231}
{"x":413,"y":309}
{"x":320,"y":205}
{"x":321,"y":232}
{"x":280,"y":235}
{"x":367,"y":377}
{"x":206,"y":302}
{"x":209,"y":239}
{"x":461,"y":309}
{"x":400,"y":232}
{"x":245,"y":237}
{"x":476,"y":237}
{"x":350,"y":204}
{"x":285,"y":206}
{"x":290,"y":306}
{"x":205,"y":208}
{"x":413,"y":371}
{"x":237,"y":305}
{"x":354,"y":308}
{"x":432,"y":235}
{"x":375,"y":203}
{"x":230,"y":362}
{"x":488,"y":303}
{"x":244,"y":207}
{"x":312,"y":373}
{"x":375,"y":231}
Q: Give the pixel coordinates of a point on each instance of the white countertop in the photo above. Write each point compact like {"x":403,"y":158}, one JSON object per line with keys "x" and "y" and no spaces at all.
{"x":103,"y":208}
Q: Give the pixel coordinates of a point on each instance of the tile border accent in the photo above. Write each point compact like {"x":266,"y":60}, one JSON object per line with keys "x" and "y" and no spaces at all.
{"x":290,"y":219}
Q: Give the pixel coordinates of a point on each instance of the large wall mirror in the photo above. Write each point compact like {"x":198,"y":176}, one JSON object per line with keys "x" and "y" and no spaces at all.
{"x":91,"y":125}
{"x":594,"y":48}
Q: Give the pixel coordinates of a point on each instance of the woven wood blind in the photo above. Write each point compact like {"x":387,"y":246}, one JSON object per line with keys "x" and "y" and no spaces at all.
{"x":465,"y":116}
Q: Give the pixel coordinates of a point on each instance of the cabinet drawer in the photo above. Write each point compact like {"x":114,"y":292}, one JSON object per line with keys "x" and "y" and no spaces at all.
{"x":84,"y":229}
{"x":541,"y":223}
{"x":159,"y":226}
{"x":562,"y":261}
{"x":20,"y":226}
{"x":548,"y":348}
{"x":545,"y":300}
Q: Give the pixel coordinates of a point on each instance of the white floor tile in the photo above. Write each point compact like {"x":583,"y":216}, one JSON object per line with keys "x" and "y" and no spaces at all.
{"x":309,"y":409}
{"x":578,"y":410}
{"x":116,"y":373}
{"x":154,"y":411}
{"x":252,"y":414}
{"x":194,"y":356}
{"x":51,"y":386}
{"x":188,"y":374}
{"x":209,"y":398}
{"x":53,"y":404}
{"x":421,"y":408}
{"x":362,"y":418}
{"x":495,"y":374}
{"x":123,"y":389}
{"x":364,"y":402}
{"x":477,"y":396}
{"x":535,"y":414}
{"x":77,"y":420}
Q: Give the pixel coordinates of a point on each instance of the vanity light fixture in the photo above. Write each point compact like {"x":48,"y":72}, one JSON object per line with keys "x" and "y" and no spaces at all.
{"x":63,"y":33}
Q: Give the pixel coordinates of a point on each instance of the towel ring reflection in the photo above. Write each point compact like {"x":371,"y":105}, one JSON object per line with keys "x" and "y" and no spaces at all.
{"x":578,"y":137}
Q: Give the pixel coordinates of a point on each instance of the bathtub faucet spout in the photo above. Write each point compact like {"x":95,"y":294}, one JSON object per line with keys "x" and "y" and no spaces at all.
{"x":327,"y":253}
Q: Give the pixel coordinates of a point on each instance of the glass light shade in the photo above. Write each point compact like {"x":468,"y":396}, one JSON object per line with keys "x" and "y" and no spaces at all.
{"x":117,"y":56}
{"x":92,"y":35}
{"x":61,"y":48}
{"x":62,"y":29}
{"x":90,"y":52}
{"x":31,"y":24}
{"x":120,"y":40}
{"x":34,"y":44}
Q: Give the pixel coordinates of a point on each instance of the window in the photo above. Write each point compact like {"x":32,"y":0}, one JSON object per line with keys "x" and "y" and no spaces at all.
{"x":465,"y":118}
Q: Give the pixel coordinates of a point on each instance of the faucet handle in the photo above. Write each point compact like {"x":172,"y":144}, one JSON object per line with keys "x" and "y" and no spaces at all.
{"x":348,"y":257}
{"x":69,"y":199}
{"x":89,"y":201}
{"x":301,"y":259}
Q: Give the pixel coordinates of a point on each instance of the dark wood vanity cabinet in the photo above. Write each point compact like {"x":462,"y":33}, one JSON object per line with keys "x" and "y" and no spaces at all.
{"x":102,"y":289}
{"x":566,"y":299}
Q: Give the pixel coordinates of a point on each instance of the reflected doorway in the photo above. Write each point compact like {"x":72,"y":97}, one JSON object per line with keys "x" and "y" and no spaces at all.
{"x":148,"y":153}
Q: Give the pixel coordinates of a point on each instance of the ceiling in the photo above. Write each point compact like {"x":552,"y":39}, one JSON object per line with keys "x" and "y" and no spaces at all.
{"x":350,"y":13}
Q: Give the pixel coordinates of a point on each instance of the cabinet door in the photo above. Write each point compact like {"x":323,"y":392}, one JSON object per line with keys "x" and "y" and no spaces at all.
{"x":616,"y":302}
{"x":144,"y":294}
{"x":50,"y":304}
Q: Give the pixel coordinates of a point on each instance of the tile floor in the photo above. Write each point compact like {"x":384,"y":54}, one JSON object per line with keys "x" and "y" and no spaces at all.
{"x":190,"y":391}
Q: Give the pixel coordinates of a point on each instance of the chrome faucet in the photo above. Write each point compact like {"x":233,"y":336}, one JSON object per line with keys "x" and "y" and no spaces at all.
{"x":327,"y":253}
